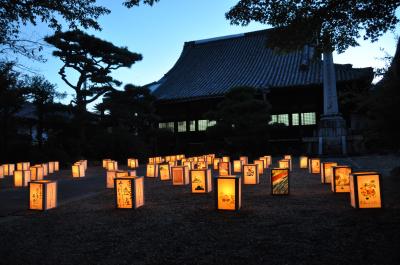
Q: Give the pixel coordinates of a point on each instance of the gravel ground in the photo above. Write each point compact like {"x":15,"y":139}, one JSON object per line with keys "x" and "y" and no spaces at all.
{"x":310,"y":226}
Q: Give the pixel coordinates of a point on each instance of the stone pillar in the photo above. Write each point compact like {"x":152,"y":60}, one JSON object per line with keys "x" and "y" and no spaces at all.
{"x":332,"y":126}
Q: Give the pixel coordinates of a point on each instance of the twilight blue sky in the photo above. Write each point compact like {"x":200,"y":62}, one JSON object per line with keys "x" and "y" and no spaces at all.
{"x":158,"y":33}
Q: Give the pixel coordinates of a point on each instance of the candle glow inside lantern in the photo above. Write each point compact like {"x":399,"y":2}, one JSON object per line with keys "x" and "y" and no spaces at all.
{"x":51,"y":167}
{"x":303,"y":162}
{"x":36,"y":172}
{"x":23,"y":165}
{"x":341,"y":179}
{"x":189,"y":164}
{"x":165,"y":171}
{"x":228,"y":193}
{"x":56,"y":166}
{"x":111,"y":175}
{"x":224,"y":168}
{"x":201,"y":180}
{"x":42,"y":194}
{"x":45,"y":169}
{"x":244,"y":159}
{"x":226,"y":159}
{"x":314,"y":165}
{"x":264,"y":159}
{"x":180,"y":175}
{"x":260,"y":166}
{"x":215,"y":163}
{"x":365,"y":190}
{"x":105,"y":163}
{"x":8,"y":169}
{"x":129,"y":192}
{"x":210,"y":159}
{"x":152,"y":170}
{"x":327,"y":171}
{"x":280,"y":181}
{"x":21,"y":178}
{"x":201,"y":164}
{"x":78,"y":170}
{"x":250,"y":174}
{"x":112,"y":165}
{"x":237,"y":166}
{"x":133,"y":163}
{"x":284,"y":163}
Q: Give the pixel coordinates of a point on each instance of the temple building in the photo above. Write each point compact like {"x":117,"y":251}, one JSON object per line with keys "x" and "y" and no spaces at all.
{"x":292,"y":82}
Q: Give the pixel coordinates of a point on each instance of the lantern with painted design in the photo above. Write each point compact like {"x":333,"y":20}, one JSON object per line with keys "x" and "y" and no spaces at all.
{"x":341,"y":179}
{"x":21,"y":178}
{"x":250,"y":174}
{"x":365,"y":190}
{"x":165,"y":171}
{"x":42,"y":194}
{"x":314,"y":165}
{"x":327,"y":172}
{"x":237,"y":166}
{"x":201,"y":180}
{"x":224,"y":168}
{"x":129,"y":192}
{"x":180,"y":175}
{"x":37,"y":172}
{"x":303,"y":162}
{"x":280,"y":181}
{"x":228,"y":193}
{"x":152,"y":170}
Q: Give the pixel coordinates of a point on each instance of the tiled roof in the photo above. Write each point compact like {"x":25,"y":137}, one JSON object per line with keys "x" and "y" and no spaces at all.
{"x":212,"y":67}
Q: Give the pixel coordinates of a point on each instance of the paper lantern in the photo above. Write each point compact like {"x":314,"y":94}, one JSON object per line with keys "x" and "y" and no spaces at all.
{"x":244,"y":159}
{"x":210,"y":159}
{"x":226,"y":159}
{"x":341,"y":179}
{"x":56,"y":166}
{"x":216,"y":162}
{"x":37,"y":172}
{"x":284,"y":163}
{"x":327,"y":172}
{"x":269,"y":160}
{"x":237,"y":166}
{"x":287,"y":157}
{"x":78,"y":170}
{"x":152,"y":170}
{"x":314,"y":165}
{"x":129,"y":192}
{"x":51,"y":167}
{"x":42,"y":194}
{"x":264,"y":159}
{"x":201,"y":164}
{"x":23,"y":166}
{"x":303,"y":162}
{"x":250,"y":174}
{"x":289,"y":162}
{"x":152,"y":160}
{"x":133,"y":163}
{"x":21,"y":178}
{"x":132,"y":173}
{"x":105,"y":163}
{"x":111,"y":175}
{"x":280,"y":181}
{"x":45,"y":169}
{"x":365,"y":190}
{"x":189,"y":164}
{"x":112,"y":165}
{"x":260,"y":166}
{"x":165,"y":171}
{"x":84,"y":163}
{"x":1,"y":172}
{"x":228,"y":193}
{"x":201,"y":180}
{"x":8,"y":169}
{"x":180,"y":175}
{"x":224,"y":168}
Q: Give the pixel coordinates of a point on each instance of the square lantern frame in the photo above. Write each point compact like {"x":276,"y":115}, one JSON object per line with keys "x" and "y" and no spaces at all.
{"x":48,"y":188}
{"x":37,"y":172}
{"x":152,"y":170}
{"x":22,"y":178}
{"x":284,"y":171}
{"x":136,"y":186}
{"x":314,"y":166}
{"x":336,"y":172}
{"x":185,"y":175}
{"x":235,"y":183}
{"x":207,"y":181}
{"x":247,"y":179}
{"x":354,"y":189}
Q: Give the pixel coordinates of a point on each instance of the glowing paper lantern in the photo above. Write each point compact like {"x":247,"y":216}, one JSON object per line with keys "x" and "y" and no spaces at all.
{"x":1,"y":172}
{"x":210,"y":159}
{"x":21,"y":178}
{"x":105,"y":163}
{"x":250,"y":174}
{"x":56,"y":166}
{"x":45,"y":169}
{"x":189,"y":164}
{"x":152,"y":170}
{"x":165,"y":171}
{"x":226,"y":159}
{"x":260,"y":165}
{"x":264,"y":159}
{"x":201,"y":180}
{"x":303,"y":162}
{"x":280,"y":181}
{"x":180,"y":175}
{"x":201,"y":164}
{"x":341,"y":179}
{"x":129,"y":192}
{"x":112,"y":165}
{"x":51,"y":167}
{"x":37,"y":172}
{"x":133,"y":163}
{"x":132,"y":173}
{"x":84,"y":163}
{"x":244,"y":159}
{"x":42,"y":194}
{"x":8,"y":169}
{"x":216,"y":162}
{"x":224,"y":168}
{"x":228,"y":193}
{"x":284,"y":163}
{"x":237,"y":166}
{"x":111,"y":175}
{"x":23,"y":166}
{"x":78,"y":170}
{"x":289,"y":157}
{"x":327,"y":172}
{"x":365,"y":190}
{"x":314,"y":166}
